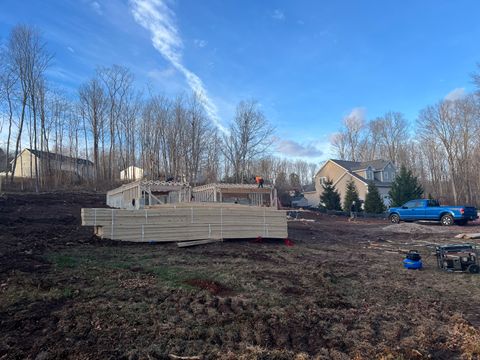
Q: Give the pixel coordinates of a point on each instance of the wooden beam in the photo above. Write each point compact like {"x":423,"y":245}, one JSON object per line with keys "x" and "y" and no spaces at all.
{"x":197,"y":242}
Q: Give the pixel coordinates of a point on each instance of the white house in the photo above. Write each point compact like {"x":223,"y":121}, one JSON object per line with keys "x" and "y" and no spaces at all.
{"x":131,"y":173}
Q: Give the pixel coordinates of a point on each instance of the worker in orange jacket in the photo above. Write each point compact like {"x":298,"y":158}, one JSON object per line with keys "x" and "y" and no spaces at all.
{"x":259,"y":181}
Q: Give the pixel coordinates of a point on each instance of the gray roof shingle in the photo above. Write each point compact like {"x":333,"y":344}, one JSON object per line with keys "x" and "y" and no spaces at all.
{"x":58,"y":157}
{"x":353,"y":166}
{"x":359,"y":165}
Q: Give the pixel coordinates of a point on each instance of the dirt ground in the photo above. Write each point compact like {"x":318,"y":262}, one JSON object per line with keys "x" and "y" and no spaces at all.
{"x":340,"y":292}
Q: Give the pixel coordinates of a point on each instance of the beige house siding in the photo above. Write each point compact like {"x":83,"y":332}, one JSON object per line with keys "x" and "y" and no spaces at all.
{"x":131,"y":173}
{"x":341,"y":187}
{"x":25,"y":167}
{"x":330,"y":171}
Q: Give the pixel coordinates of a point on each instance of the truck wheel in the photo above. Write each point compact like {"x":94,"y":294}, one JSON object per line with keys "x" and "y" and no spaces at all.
{"x":447,"y":220}
{"x":394,"y":218}
{"x":473,"y":269}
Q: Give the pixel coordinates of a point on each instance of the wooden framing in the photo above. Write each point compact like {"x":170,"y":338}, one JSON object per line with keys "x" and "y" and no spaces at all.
{"x":187,"y":222}
{"x":142,"y":193}
{"x":247,"y":194}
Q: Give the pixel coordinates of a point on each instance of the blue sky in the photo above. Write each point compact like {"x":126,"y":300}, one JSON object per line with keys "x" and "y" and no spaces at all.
{"x":308,"y":63}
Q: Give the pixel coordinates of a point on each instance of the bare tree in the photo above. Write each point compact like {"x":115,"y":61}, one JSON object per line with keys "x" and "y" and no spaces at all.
{"x":338,"y":142}
{"x":197,"y":130}
{"x":8,"y":85}
{"x":455,"y":125}
{"x":118,"y":82}
{"x":93,"y":104}
{"x":29,"y":59}
{"x":250,"y":136}
{"x":392,"y":133}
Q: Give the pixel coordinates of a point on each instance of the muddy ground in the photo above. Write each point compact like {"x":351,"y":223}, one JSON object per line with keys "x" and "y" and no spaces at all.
{"x":340,"y":292}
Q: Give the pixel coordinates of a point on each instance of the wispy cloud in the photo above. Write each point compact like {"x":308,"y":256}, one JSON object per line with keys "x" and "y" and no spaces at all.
{"x":156,"y":17}
{"x":96,"y":7}
{"x":161,"y":74}
{"x":69,"y":48}
{"x":456,"y":94}
{"x":295,"y":149}
{"x":278,"y":15}
{"x":200,"y":43}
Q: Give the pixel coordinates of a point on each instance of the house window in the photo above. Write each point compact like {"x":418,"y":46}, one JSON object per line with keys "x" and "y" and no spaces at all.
{"x":369,"y":175}
{"x":385,"y":175}
{"x":323,"y":180}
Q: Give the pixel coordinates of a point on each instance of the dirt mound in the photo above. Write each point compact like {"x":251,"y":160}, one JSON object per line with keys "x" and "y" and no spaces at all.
{"x":213,"y":287}
{"x":414,"y":228}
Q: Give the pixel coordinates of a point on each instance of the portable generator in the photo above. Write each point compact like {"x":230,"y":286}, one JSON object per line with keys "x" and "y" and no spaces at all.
{"x":458,"y":257}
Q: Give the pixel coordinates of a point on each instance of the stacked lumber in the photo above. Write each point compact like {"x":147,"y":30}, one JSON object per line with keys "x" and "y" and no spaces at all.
{"x":187,"y":222}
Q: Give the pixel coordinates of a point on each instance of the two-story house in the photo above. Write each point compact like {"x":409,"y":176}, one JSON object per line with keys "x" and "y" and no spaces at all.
{"x":381,"y":172}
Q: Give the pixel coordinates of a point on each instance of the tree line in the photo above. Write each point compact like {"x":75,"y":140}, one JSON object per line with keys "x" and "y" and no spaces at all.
{"x":115,"y":125}
{"x":442,"y":147}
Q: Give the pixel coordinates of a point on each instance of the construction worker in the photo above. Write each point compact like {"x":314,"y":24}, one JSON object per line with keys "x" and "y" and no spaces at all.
{"x":353,"y":211}
{"x":259,"y":181}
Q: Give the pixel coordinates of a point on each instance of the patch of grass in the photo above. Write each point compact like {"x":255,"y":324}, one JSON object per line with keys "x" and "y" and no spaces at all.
{"x":64,"y":261}
{"x":176,"y":277}
{"x":16,"y":295}
{"x":67,"y":293}
{"x":119,"y":264}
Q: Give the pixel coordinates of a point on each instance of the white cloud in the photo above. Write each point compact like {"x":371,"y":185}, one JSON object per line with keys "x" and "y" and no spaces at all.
{"x":357,"y":113}
{"x":278,"y":15}
{"x":295,"y":149}
{"x":456,"y":94}
{"x":96,"y":7}
{"x":156,"y":17}
{"x":200,"y":43}
{"x":69,"y":48}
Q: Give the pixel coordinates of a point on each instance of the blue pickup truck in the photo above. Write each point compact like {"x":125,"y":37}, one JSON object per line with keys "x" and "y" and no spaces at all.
{"x":426,"y":209}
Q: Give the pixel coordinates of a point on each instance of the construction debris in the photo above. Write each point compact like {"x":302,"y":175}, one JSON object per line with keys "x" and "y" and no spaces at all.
{"x":197,"y":242}
{"x":187,"y":222}
{"x":468,"y":236}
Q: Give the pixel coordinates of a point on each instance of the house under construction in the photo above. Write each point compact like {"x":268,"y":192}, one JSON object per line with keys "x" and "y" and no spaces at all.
{"x":246,"y":194}
{"x":142,"y":193}
{"x":147,"y":193}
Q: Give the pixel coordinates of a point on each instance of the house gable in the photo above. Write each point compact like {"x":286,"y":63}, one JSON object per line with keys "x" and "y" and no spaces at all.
{"x":330,"y":170}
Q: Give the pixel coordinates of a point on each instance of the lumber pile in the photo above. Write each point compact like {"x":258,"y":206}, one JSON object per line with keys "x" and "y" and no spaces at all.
{"x":187,"y":222}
